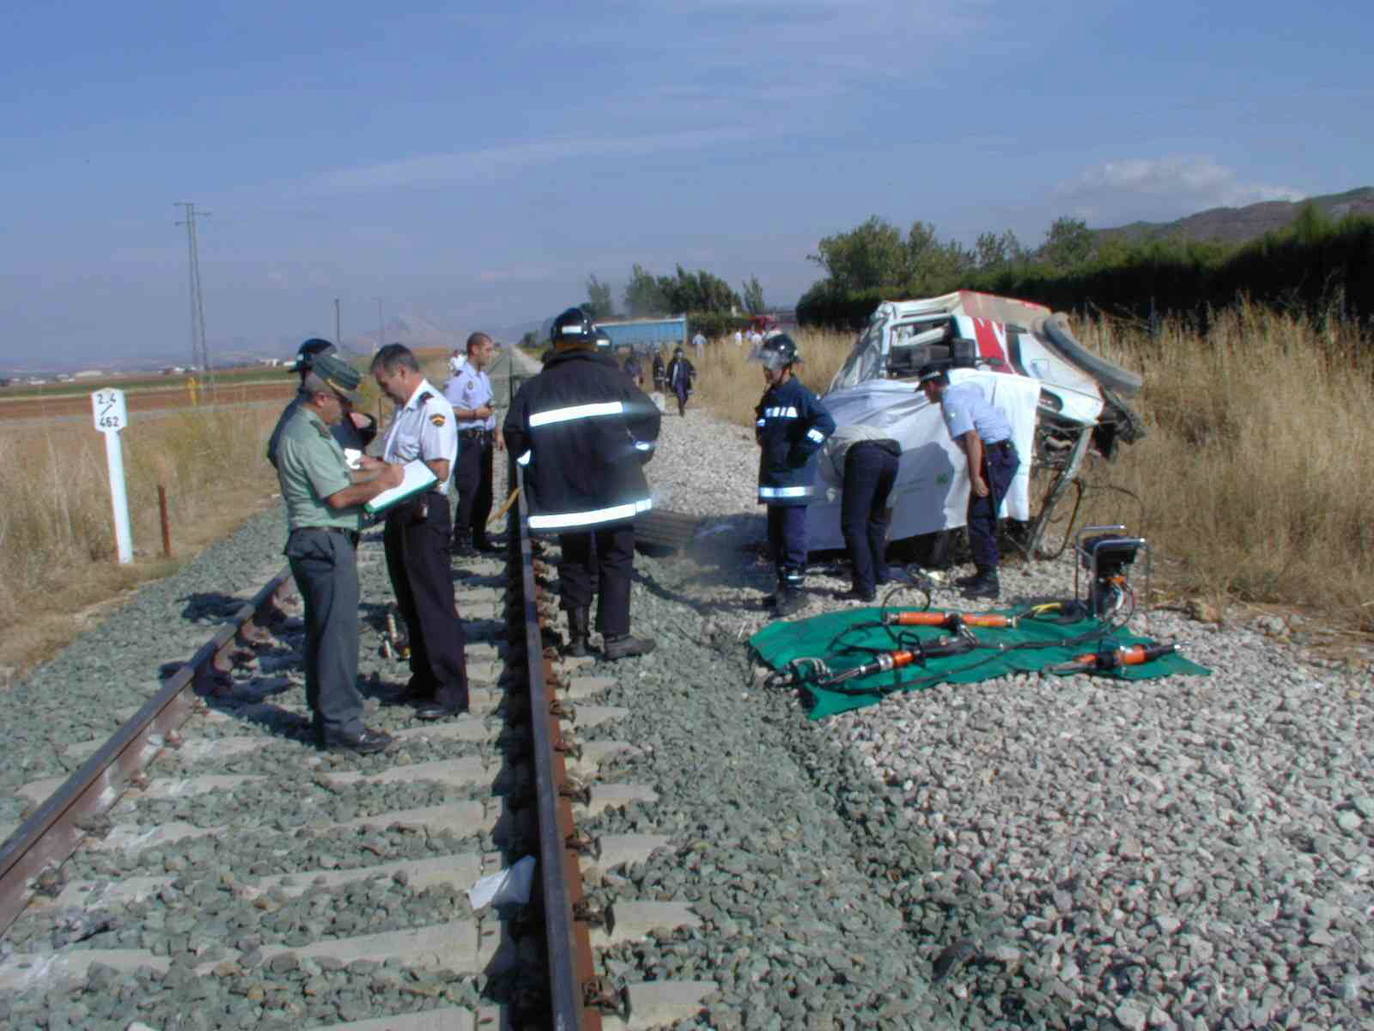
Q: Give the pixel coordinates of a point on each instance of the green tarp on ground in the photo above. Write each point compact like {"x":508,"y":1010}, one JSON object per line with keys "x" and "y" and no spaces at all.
{"x":842,"y":641}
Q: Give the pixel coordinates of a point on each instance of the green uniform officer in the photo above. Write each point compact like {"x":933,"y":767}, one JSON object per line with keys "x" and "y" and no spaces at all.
{"x":323,"y":498}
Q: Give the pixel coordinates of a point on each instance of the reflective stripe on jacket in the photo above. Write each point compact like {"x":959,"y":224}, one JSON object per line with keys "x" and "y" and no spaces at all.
{"x":582,"y":432}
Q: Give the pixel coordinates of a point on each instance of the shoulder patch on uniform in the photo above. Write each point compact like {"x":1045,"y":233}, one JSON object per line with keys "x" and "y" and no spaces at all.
{"x":424,"y":397}
{"x":322,"y":431}
{"x":438,"y":418}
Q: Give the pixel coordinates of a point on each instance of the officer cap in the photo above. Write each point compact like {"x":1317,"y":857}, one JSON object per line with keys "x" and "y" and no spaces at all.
{"x":309,"y":351}
{"x":933,"y":373}
{"x":332,"y":373}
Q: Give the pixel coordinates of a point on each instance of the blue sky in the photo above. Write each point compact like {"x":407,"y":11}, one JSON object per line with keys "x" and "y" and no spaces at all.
{"x":471,"y":164}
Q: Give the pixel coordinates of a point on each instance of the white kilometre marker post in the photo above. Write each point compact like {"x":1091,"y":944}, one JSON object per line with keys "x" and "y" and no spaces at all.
{"x":111,"y":416}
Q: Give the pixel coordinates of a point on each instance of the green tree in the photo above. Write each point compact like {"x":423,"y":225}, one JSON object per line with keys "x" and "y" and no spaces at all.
{"x":753,"y":296}
{"x":600,"y":304}
{"x":1068,"y":244}
{"x":992,"y":251}
{"x":869,"y":256}
{"x":643,"y":294}
{"x":697,"y":291}
{"x":933,"y":266}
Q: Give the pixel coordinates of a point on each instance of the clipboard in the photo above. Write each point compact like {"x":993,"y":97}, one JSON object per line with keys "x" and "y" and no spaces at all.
{"x":416,"y":478}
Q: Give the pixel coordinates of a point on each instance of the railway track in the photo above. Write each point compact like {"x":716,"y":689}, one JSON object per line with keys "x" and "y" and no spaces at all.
{"x":204,"y":867}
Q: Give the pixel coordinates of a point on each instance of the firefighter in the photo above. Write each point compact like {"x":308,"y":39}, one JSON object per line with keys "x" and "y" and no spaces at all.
{"x":984,"y":434}
{"x":582,"y":431}
{"x":790,"y":426}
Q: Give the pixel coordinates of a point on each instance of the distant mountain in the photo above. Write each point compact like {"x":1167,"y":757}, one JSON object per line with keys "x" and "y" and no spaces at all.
{"x":1237,"y":225}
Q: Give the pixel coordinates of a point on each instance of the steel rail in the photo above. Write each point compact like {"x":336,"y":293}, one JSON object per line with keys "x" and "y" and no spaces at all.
{"x":567,"y":943}
{"x":54,"y":831}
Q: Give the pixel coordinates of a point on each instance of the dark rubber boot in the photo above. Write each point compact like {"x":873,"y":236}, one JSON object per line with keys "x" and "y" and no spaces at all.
{"x":985,"y":585}
{"x":626,"y":647}
{"x":579,"y":629}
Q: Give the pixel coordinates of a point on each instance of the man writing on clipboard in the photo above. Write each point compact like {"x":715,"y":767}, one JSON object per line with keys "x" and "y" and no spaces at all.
{"x":417,"y":536}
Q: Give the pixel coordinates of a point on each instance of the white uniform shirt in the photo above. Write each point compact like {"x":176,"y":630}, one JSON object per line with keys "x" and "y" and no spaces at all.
{"x":468,"y":390}
{"x":424,"y":428}
{"x":965,"y":407}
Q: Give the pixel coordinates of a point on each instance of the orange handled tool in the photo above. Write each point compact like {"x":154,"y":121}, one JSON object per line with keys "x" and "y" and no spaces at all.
{"x":950,"y":619}
{"x":1115,"y":658}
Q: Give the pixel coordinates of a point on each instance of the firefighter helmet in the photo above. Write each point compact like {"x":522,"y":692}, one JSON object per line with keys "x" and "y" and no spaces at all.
{"x":778,"y":352}
{"x":573,"y":329}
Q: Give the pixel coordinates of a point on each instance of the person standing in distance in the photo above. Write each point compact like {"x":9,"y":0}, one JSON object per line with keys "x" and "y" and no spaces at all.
{"x":699,"y":345}
{"x":354,"y":432}
{"x":790,"y":425}
{"x":469,"y":392}
{"x":323,"y":498}
{"x":582,"y":432}
{"x":984,"y":434}
{"x":417,"y":536}
{"x":864,"y":460}
{"x":681,"y":372}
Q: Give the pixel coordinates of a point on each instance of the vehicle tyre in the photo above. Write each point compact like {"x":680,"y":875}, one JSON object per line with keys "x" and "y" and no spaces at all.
{"x":1060,"y":337}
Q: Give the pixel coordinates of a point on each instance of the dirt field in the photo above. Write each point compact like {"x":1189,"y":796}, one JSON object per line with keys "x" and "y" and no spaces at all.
{"x":173,"y":397}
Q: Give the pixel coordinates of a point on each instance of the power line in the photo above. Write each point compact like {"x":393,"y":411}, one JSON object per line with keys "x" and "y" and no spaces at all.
{"x":200,"y":348}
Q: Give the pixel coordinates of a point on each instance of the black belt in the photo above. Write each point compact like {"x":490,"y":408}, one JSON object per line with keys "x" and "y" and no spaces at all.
{"x":1001,"y":445}
{"x":470,"y":434}
{"x":351,"y":535}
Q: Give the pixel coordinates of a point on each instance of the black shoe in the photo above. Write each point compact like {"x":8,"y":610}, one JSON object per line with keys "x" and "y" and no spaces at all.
{"x":983,"y":586}
{"x":435,"y":711}
{"x":624,"y":646}
{"x":854,"y":594}
{"x":364,"y":742}
{"x":579,"y":630}
{"x":462,"y":546}
{"x":974,"y":577}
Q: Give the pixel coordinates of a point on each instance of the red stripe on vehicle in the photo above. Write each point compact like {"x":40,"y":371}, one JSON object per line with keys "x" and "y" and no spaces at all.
{"x":992,"y":344}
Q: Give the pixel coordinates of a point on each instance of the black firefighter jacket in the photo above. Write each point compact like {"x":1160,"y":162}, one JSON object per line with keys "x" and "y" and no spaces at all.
{"x":790,"y":425}
{"x":582,"y":431}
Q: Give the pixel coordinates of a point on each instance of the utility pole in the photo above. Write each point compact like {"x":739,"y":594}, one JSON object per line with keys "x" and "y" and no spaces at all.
{"x":338,"y":340}
{"x":200,"y":349}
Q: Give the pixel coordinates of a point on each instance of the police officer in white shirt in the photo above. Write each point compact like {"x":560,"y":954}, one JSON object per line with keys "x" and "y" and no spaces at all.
{"x":469,"y":392}
{"x":417,"y":536}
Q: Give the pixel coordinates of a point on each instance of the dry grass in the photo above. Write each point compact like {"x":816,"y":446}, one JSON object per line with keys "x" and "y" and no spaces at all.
{"x":1255,"y":477}
{"x":731,"y":385}
{"x":1256,"y":473}
{"x":56,"y":530}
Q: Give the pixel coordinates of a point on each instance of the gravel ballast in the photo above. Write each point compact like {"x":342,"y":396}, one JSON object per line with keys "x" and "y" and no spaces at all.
{"x":1188,"y":852}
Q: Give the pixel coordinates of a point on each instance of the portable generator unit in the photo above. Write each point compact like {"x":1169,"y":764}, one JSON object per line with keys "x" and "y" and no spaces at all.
{"x":1101,"y":576}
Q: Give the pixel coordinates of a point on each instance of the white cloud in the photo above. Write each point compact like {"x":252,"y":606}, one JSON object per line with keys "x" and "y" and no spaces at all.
{"x":460,"y":166}
{"x":1167,"y":187}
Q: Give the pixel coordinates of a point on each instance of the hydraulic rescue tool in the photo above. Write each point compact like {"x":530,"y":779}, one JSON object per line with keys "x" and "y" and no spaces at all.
{"x":886,"y":661}
{"x":1112,"y":657}
{"x":950,"y":620}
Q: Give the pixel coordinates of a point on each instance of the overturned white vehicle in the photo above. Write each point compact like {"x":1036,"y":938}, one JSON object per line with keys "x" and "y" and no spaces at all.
{"x":1062,"y":401}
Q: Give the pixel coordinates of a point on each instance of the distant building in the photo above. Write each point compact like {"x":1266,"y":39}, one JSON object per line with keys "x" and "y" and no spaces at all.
{"x":88,"y":374}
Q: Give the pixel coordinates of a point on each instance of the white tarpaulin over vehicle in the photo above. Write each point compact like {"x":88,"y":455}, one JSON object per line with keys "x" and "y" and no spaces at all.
{"x":932,"y":486}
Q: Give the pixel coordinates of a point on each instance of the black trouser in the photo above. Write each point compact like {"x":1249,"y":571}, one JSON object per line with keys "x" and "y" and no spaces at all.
{"x":999,"y":469}
{"x":870,"y":470}
{"x":324,"y":563}
{"x":417,"y":558}
{"x":607,"y":552}
{"x":472,"y":477}
{"x":787,"y":542}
